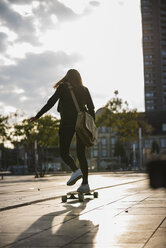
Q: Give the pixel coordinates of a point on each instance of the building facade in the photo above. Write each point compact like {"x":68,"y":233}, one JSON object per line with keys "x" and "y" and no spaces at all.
{"x":154,"y":53}
{"x":137,"y":153}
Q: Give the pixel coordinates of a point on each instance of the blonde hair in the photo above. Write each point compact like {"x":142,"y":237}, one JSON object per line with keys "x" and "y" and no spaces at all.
{"x":72,"y":76}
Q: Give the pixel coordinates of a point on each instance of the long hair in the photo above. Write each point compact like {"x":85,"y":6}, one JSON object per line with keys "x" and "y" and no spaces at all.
{"x":72,"y":76}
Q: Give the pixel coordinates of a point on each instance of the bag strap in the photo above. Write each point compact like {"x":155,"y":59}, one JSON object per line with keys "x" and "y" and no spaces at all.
{"x":73,"y":97}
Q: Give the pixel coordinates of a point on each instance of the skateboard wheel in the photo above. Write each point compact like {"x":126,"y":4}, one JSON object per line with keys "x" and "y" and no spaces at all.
{"x":64,"y":198}
{"x":81,"y":197}
{"x":95,"y":194}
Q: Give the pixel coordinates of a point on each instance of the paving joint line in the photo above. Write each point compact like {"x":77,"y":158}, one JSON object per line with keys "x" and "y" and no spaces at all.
{"x":154,"y":232}
{"x":74,"y":217}
{"x":55,"y":197}
{"x":105,"y":187}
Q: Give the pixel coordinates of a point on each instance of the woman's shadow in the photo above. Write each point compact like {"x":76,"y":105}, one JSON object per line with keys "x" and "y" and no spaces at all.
{"x":58,"y":229}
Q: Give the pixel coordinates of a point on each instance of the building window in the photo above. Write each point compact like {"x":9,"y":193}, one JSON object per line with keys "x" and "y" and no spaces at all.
{"x":95,"y":153}
{"x":113,"y":141}
{"x":103,"y":141}
{"x":146,"y":1}
{"x":149,"y":82}
{"x":163,"y":52}
{"x":148,"y":13}
{"x":149,"y":94}
{"x":149,"y":101}
{"x":146,"y":7}
{"x":145,"y":32}
{"x":163,"y":143}
{"x":147,"y":75}
{"x":147,"y":26}
{"x":164,"y":127}
{"x":148,"y":63}
{"x":148,"y":50}
{"x":149,"y":69}
{"x":103,"y":129}
{"x":136,"y":145}
{"x":162,"y":12}
{"x":148,"y":56}
{"x":133,"y":145}
{"x":150,"y":107}
{"x":148,"y":143}
{"x":147,"y":44}
{"x":104,"y":153}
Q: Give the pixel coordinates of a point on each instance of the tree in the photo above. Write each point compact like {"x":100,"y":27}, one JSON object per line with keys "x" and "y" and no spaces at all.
{"x":44,"y":132}
{"x":124,"y":121}
{"x":4,"y":136}
{"x":4,"y":127}
{"x":47,"y":131}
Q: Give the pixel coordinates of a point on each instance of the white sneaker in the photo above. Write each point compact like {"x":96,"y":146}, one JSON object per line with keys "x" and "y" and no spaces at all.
{"x":74,"y":177}
{"x":84,"y":188}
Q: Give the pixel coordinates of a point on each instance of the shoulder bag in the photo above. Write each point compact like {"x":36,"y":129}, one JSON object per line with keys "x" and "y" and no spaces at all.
{"x":85,"y":125}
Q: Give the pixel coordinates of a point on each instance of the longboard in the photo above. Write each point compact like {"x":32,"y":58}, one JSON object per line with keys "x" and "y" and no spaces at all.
{"x":78,"y":195}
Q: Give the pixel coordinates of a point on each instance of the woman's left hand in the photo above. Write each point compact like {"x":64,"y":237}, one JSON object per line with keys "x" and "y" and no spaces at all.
{"x":32,"y":119}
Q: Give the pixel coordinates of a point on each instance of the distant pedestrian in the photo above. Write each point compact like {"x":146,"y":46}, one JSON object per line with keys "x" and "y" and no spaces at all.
{"x":156,"y":168}
{"x":68,"y":115}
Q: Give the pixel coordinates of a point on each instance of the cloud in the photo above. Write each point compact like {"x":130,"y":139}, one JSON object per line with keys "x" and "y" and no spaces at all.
{"x":21,"y":2}
{"x":62,"y":12}
{"x":3,"y":42}
{"x":26,"y":27}
{"x":28,"y":84}
{"x":41,"y":18}
{"x":47,"y":9}
{"x":94,"y":3}
{"x":35,"y":65}
{"x":21,"y":25}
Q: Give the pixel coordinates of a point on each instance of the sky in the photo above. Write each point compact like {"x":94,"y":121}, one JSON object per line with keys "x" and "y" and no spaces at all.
{"x":41,"y":40}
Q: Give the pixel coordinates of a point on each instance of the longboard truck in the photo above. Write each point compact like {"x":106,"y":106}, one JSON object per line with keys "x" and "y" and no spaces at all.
{"x":78,"y":195}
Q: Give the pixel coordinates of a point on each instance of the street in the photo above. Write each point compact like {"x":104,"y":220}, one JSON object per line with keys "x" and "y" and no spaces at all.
{"x":127,"y":213}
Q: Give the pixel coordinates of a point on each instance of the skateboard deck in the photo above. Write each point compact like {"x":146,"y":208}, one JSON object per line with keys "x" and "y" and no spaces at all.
{"x":78,"y":195}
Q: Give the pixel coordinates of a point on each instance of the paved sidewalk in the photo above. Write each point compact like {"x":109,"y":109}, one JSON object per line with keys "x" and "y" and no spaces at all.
{"x":18,"y":191}
{"x":128,"y":215}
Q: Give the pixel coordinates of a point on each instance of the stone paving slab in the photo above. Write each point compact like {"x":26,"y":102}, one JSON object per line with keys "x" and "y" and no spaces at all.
{"x":18,"y":190}
{"x":163,"y":225}
{"x":126,"y":216}
{"x":105,"y":246}
{"x":158,"y":239}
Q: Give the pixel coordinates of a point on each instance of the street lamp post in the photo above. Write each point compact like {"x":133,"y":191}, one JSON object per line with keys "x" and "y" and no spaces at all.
{"x":140,"y":146}
{"x":134,"y":157}
{"x":36,"y":159}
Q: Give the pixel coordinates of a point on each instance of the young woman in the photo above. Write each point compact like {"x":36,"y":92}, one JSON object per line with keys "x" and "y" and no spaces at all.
{"x":68,"y":115}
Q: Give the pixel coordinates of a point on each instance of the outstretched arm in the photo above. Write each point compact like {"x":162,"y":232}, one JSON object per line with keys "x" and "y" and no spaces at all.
{"x":50,"y":103}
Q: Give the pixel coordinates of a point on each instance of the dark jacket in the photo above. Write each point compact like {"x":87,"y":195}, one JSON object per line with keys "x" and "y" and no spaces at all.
{"x":66,"y":105}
